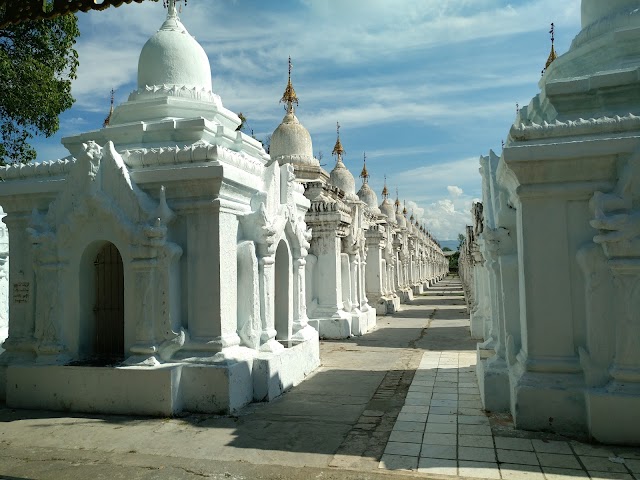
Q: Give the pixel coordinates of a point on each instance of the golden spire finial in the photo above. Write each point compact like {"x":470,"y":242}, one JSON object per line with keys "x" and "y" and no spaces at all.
{"x":397,"y":202}
{"x":412,"y":217}
{"x":337,"y":149}
{"x":289,"y":97}
{"x":385,"y":190}
{"x":364,"y":175}
{"x":107,"y":120}
{"x":552,"y":55}
{"x":404,"y":210}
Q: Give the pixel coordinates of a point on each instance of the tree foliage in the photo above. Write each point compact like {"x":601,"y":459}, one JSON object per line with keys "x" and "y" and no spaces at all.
{"x":37,"y":64}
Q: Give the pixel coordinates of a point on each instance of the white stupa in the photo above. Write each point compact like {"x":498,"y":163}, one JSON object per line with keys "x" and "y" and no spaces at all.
{"x":340,"y":176}
{"x":366,"y":193}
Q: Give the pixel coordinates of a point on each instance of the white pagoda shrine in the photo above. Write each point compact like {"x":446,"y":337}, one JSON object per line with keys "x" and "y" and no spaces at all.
{"x":161,"y":267}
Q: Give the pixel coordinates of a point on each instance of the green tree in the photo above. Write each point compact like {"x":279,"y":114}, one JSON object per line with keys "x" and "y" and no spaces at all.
{"x":37,"y":64}
{"x":461,"y":239}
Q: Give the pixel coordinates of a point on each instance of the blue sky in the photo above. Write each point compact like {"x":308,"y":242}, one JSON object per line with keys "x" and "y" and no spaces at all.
{"x":423,"y":86}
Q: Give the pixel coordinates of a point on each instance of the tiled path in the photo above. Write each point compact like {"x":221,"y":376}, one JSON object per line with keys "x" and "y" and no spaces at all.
{"x":442,"y":430}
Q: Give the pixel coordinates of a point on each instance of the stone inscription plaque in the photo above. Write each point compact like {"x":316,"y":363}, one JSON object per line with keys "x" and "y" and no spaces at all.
{"x":21,"y":292}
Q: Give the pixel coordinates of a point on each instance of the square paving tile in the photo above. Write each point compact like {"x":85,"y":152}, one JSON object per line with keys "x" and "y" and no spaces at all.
{"x":420,"y":389}
{"x":443,"y":410}
{"x":422,"y":383}
{"x":610,"y":476}
{"x":422,"y":401}
{"x":442,"y":418}
{"x":634,"y":465}
{"x":601,"y":464}
{"x":444,"y":403}
{"x":451,"y":390}
{"x":554,"y":473}
{"x":409,"y":426}
{"x":444,"y":396}
{"x":438,"y":466}
{"x":551,"y":447}
{"x":405,"y":449}
{"x":517,"y":457}
{"x":474,"y":429}
{"x":464,"y":396}
{"x":412,"y":417}
{"x":468,"y":391}
{"x":520,"y":472}
{"x":398,"y":462}
{"x":439,"y":451}
{"x":482,"y":441}
{"x":508,"y":443}
{"x":477,"y":454}
{"x":462,"y":384}
{"x":592,"y":451}
{"x":470,"y":411}
{"x":440,"y":428}
{"x":439,"y":439}
{"x":473,"y":420}
{"x":470,"y":404}
{"x":405,"y":437}
{"x":478,"y":469}
{"x":557,"y":460}
{"x":415,"y":409}
{"x":417,"y":395}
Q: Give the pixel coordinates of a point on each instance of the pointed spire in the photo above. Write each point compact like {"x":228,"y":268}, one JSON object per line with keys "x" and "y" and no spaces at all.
{"x":397,"y":202}
{"x":552,"y":55}
{"x":412,"y":218}
{"x":289,"y":96}
{"x":172,"y":11}
{"x":107,"y":120}
{"x":364,"y":175}
{"x":385,"y":190}
{"x":404,"y":210}
{"x":337,"y":149}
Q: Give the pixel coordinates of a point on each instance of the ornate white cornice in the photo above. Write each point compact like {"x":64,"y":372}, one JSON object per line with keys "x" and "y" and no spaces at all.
{"x":534,"y":131}
{"x":56,"y":168}
{"x":182,"y":91}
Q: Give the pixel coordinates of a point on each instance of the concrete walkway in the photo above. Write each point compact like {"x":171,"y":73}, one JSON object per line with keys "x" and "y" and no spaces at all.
{"x":400,"y":401}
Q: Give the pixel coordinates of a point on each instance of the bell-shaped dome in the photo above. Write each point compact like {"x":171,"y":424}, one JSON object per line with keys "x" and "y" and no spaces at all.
{"x":291,"y":143}
{"x":402,"y":222}
{"x":594,"y":10}
{"x":387,"y":209}
{"x":173,"y":57}
{"x":341,"y":177}
{"x":368,"y":196}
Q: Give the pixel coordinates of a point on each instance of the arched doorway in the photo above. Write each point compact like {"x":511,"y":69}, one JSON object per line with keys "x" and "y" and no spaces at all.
{"x":108,"y":341}
{"x":283,"y":298}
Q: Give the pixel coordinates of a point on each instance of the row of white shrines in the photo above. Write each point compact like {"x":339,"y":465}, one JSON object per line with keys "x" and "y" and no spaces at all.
{"x":150,"y":279}
{"x":551,"y":266}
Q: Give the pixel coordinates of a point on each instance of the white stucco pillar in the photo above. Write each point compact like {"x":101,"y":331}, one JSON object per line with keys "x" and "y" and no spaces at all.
{"x":329,"y":267}
{"x":20,"y":342}
{"x":212,"y":279}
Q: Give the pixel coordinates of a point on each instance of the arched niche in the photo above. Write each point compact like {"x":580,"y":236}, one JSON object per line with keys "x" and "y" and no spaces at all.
{"x":283,"y":298}
{"x":102,"y":303}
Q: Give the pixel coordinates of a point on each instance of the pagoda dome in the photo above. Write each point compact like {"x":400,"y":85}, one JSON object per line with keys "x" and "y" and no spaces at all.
{"x":387,"y":209}
{"x":368,"y":196}
{"x":402,"y":222}
{"x":595,"y":10}
{"x":341,"y":177}
{"x":172,"y":57}
{"x":291,"y":143}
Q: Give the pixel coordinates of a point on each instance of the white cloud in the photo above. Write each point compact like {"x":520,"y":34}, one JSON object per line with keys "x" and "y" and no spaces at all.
{"x":446,"y":221}
{"x":455,"y":191}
